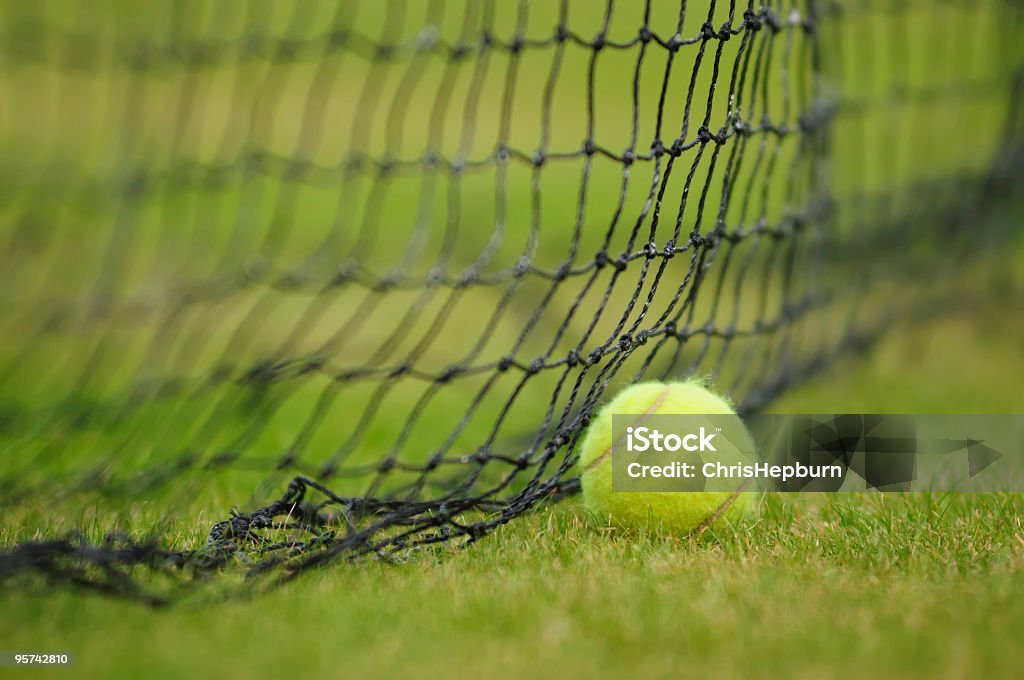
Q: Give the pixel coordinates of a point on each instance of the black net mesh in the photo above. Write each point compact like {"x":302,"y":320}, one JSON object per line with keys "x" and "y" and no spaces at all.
{"x":380,"y":262}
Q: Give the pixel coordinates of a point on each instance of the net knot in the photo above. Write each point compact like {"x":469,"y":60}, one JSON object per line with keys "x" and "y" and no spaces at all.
{"x":535,"y":366}
{"x":522,"y":266}
{"x":355,"y":163}
{"x":628,"y":157}
{"x":561,"y":33}
{"x":625,"y":342}
{"x":573,"y":358}
{"x":808,"y":122}
{"x":645,"y":34}
{"x":797,"y":19}
{"x":589,"y":148}
{"x":427,"y":38}
{"x":253,"y":45}
{"x":707,"y":31}
{"x":254,"y":163}
{"x":506,"y":363}
{"x":676,"y":149}
{"x":448,"y":374}
{"x":599,"y":41}
{"x":751,"y":20}
{"x":704,"y":135}
{"x":296,"y":170}
{"x":262,"y":373}
{"x":287,"y":50}
{"x":221,"y":459}
{"x":386,"y":283}
{"x":475,"y":531}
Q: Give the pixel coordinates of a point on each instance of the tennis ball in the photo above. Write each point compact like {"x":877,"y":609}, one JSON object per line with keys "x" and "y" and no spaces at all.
{"x":678,"y":512}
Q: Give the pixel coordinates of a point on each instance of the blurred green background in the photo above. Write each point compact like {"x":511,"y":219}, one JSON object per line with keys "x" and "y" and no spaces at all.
{"x":207,"y":265}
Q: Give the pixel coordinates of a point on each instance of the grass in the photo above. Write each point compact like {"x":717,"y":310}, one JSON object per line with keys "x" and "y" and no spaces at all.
{"x":916,"y":586}
{"x":890,"y":586}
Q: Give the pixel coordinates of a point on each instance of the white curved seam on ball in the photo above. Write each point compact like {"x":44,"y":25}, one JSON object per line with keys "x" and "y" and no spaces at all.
{"x":655,"y":405}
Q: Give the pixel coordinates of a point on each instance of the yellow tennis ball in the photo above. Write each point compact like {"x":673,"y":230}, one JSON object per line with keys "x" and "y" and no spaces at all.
{"x":680,"y":512}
